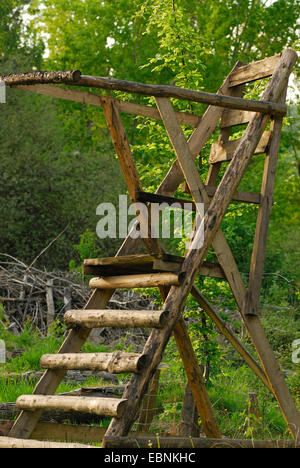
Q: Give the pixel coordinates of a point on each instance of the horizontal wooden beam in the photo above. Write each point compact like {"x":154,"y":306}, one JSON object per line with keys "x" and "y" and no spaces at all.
{"x":191,"y":443}
{"x":218,"y":100}
{"x":116,"y":318}
{"x":114,"y":363}
{"x":254,"y":71}
{"x":86,"y":97}
{"x":112,"y":84}
{"x":239,"y":195}
{"x":110,"y":407}
{"x":225,"y":152}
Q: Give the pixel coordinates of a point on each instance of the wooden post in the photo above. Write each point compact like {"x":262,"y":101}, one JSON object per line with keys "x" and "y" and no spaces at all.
{"x":68,"y":299}
{"x":189,"y":426}
{"x":50,"y":304}
{"x":253,"y":413}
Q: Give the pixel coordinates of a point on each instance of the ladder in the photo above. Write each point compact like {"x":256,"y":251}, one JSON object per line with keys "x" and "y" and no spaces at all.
{"x":174,"y":276}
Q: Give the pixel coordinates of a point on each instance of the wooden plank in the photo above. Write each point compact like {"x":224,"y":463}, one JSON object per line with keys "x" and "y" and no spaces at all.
{"x":255,"y":71}
{"x":72,"y":77}
{"x":230,"y":118}
{"x":27,"y":421}
{"x":195,"y":379}
{"x":85,"y":97}
{"x":116,"y":318}
{"x":191,"y":443}
{"x":62,"y":432}
{"x":166,"y":91}
{"x":149,"y":280}
{"x":114,"y":363}
{"x":110,"y":407}
{"x":207,"y":269}
{"x":225,"y":152}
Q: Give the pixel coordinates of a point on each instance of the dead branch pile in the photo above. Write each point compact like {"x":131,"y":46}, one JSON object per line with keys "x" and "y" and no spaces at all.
{"x":39,"y":297}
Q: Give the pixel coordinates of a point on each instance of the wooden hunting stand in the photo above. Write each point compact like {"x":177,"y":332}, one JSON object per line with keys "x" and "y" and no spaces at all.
{"x":172,"y":275}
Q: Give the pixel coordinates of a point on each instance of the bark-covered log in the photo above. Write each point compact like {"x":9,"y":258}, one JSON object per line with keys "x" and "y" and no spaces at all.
{"x":110,"y":407}
{"x":42,"y":77}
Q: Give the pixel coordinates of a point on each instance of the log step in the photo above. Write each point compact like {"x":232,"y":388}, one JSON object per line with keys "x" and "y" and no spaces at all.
{"x":109,"y":407}
{"x":149,"y":280}
{"x":115,"y":363}
{"x":9,"y":442}
{"x":116,"y":318}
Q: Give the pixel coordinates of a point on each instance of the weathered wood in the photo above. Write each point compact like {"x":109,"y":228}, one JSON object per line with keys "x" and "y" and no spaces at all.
{"x":115,"y":363}
{"x":135,"y":281}
{"x":50,"y":304}
{"x":191,"y":443}
{"x":9,"y":442}
{"x":196,"y":142}
{"x":167,"y":91}
{"x":130,"y":173}
{"x":149,"y":405}
{"x":70,"y":432}
{"x":189,"y":426}
{"x":225,"y":152}
{"x":109,"y":407}
{"x":116,"y":318}
{"x":253,"y":413}
{"x":264,"y":212}
{"x":212,"y":221}
{"x":72,"y":76}
{"x":85,"y":97}
{"x":230,"y":118}
{"x":171,"y":264}
{"x":239,"y":195}
{"x":255,"y":71}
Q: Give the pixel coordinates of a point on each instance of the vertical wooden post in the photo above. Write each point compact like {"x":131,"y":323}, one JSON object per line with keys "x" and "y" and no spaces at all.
{"x":253,"y":413}
{"x":50,"y":304}
{"x":189,"y":426}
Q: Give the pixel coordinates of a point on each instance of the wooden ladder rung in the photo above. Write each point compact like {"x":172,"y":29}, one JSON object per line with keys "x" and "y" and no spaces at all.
{"x":109,"y":407}
{"x":135,"y":281}
{"x":115,"y":363}
{"x":116,"y":318}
